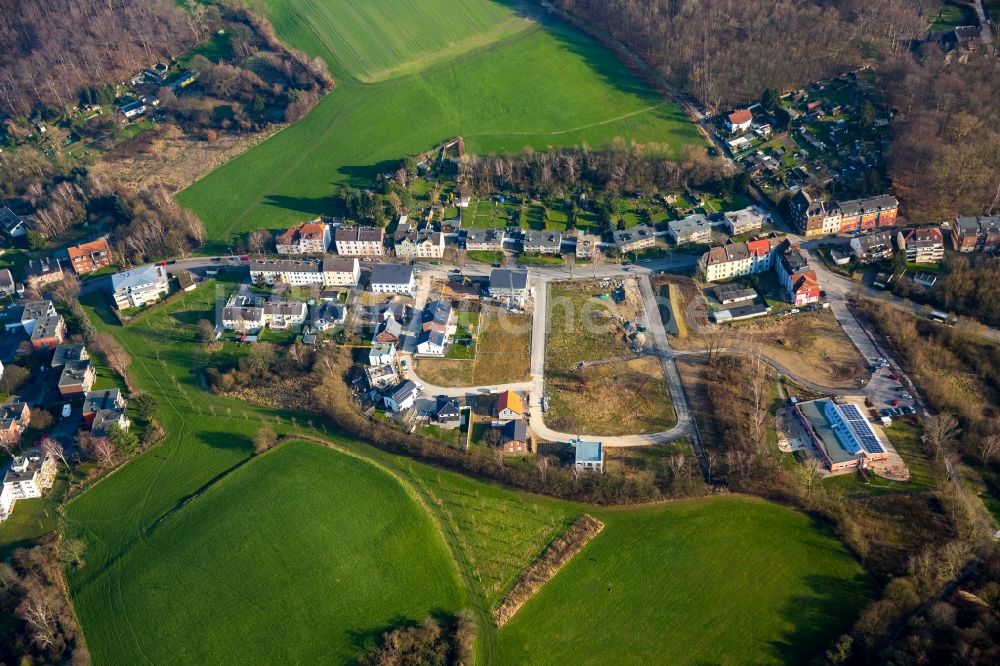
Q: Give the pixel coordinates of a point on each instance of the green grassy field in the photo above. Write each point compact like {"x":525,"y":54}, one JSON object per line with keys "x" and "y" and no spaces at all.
{"x":537,"y":86}
{"x":196,"y":551}
{"x":721,"y":581}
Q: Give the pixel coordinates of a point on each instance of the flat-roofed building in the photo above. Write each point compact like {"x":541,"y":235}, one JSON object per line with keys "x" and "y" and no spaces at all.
{"x":634,"y":239}
{"x":691,"y":229}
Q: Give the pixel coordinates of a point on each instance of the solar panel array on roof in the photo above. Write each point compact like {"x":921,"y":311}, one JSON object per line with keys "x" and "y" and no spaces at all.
{"x":860,"y":429}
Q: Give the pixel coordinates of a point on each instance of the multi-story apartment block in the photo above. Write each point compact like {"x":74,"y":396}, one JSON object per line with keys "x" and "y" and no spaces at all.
{"x":736,"y":259}
{"x":634,"y":239}
{"x":341,"y":271}
{"x":923,"y":245}
{"x":872,"y":247}
{"x":976,"y":234}
{"x":412,"y":244}
{"x":89,"y":257}
{"x":139,"y":286}
{"x":485,"y":239}
{"x":308,"y":238}
{"x":820,"y":218}
{"x":29,"y":476}
{"x":360,"y":241}
{"x":691,"y":229}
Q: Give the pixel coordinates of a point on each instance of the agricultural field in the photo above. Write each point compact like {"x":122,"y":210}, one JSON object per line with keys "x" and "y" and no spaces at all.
{"x":190,"y":556}
{"x":725,"y":580}
{"x":596,"y":384}
{"x":542,"y":85}
{"x":503,"y":354}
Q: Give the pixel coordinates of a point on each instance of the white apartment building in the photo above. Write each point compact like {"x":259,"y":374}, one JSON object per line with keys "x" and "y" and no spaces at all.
{"x":419,"y":245}
{"x":28,"y":477}
{"x":341,"y":271}
{"x":360,"y":241}
{"x":139,"y":286}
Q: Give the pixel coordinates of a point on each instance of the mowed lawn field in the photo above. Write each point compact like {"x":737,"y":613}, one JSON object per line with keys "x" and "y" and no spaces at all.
{"x":536,"y":85}
{"x":718,"y":581}
{"x":197,"y":552}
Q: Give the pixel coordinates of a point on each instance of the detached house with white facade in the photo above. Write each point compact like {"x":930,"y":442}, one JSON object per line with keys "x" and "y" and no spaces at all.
{"x":139,"y":286}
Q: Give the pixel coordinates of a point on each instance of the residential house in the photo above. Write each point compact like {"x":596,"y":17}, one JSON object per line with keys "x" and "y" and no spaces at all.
{"x":509,"y":286}
{"x":412,"y":244}
{"x":77,"y":377}
{"x":393,"y":279}
{"x":447,"y":412}
{"x":139,"y":286}
{"x":388,"y":331}
{"x":541,"y":242}
{"x":872,"y":247}
{"x":132,"y":109}
{"x":360,"y":241}
{"x":89,"y":257}
{"x":739,"y":121}
{"x":279,"y":315}
{"x":14,"y":419}
{"x":328,"y":315}
{"x":48,"y":333}
{"x":14,"y":225}
{"x":587,"y":246}
{"x":243,"y":313}
{"x":509,"y":406}
{"x":7,"y":285}
{"x":382,"y":377}
{"x":439,"y":324}
{"x":634,"y":239}
{"x":308,"y":238}
{"x":29,"y":476}
{"x":484,"y":239}
{"x":31,"y":312}
{"x":922,"y":245}
{"x":105,"y":419}
{"x":40,"y":272}
{"x":691,"y":229}
{"x":801,"y":284}
{"x":381,"y":353}
{"x":514,"y":437}
{"x":67,"y":353}
{"x":976,"y":234}
{"x":744,"y":221}
{"x":97,"y":401}
{"x":402,"y":397}
{"x":589,"y":456}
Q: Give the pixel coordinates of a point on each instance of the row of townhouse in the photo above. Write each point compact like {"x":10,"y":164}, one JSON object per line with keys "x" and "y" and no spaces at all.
{"x":725,"y":262}
{"x":820,"y":218}
{"x":411,"y":243}
{"x":327,"y":271}
{"x":976,"y":234}
{"x":248,"y":314}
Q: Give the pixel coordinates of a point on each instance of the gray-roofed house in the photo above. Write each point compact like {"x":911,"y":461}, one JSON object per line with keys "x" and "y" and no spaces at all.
{"x":40,"y":272}
{"x":691,"y":229}
{"x":393,"y":279}
{"x":388,"y":331}
{"x":484,"y":239}
{"x":328,"y":315}
{"x":733,"y":293}
{"x":31,"y":312}
{"x":12,"y":223}
{"x":381,"y":353}
{"x":439,"y":324}
{"x":48,"y":332}
{"x":634,"y":239}
{"x":541,"y":242}
{"x":280,"y":315}
{"x":76,"y":377}
{"x":95,"y":401}
{"x":873,"y":247}
{"x":447,"y":412}
{"x":66,"y":353}
{"x":139,"y":286}
{"x":402,"y":397}
{"x":514,"y":437}
{"x":744,"y":221}
{"x":509,"y":286}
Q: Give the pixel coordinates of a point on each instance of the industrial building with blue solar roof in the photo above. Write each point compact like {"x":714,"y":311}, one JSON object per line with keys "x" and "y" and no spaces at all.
{"x":841,"y":433}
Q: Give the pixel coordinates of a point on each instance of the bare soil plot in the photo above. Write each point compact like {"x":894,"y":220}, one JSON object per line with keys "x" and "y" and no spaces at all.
{"x":617,"y":398}
{"x":503,"y":355}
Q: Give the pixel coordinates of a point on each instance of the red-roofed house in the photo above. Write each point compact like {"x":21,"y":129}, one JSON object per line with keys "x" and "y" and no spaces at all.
{"x":509,"y":406}
{"x":309,"y":238}
{"x":89,"y":257}
{"x":739,"y":121}
{"x":804,"y":289}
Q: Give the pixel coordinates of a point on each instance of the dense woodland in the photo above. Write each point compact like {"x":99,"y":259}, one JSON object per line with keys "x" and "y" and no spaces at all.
{"x":724,"y":53}
{"x":944,"y":156}
{"x":54,"y":48}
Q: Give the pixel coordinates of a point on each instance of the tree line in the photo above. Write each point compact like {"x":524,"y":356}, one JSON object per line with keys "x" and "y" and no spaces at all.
{"x":965,"y":287}
{"x":726,"y":53}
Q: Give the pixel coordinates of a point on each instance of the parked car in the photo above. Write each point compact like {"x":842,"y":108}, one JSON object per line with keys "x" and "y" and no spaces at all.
{"x":894,"y":402}
{"x":67,"y":409}
{"x":906,"y":396}
{"x":893,"y":376}
{"x":886,"y":412}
